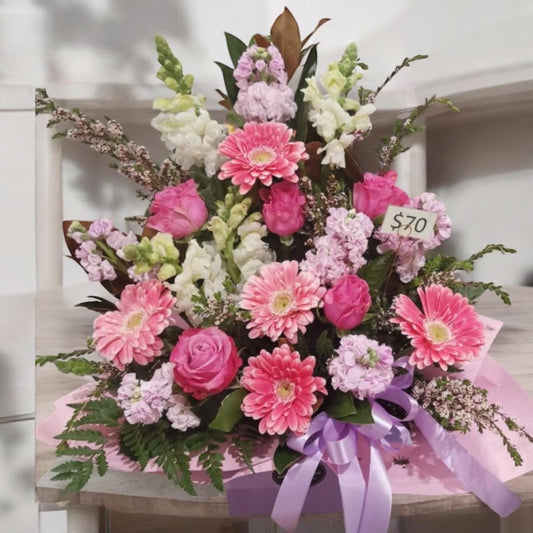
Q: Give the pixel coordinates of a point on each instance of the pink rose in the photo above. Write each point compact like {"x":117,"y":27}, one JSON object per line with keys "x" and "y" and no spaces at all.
{"x":178,"y":210}
{"x":205,"y":361}
{"x":376,"y":193}
{"x":283,"y":208}
{"x":347,"y":302}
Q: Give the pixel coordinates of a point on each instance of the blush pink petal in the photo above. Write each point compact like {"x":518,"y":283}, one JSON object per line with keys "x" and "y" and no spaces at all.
{"x":278,"y":157}
{"x":131,"y":333}
{"x":266,"y":375}
{"x":452,"y":312}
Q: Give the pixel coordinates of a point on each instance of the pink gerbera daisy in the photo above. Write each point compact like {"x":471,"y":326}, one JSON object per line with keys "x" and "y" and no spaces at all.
{"x":280,"y":300}
{"x":447,"y":332}
{"x":282,"y":390}
{"x":260,"y":152}
{"x":131,"y":333}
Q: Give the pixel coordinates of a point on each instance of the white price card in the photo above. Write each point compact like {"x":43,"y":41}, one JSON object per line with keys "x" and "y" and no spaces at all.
{"x":407,"y":222}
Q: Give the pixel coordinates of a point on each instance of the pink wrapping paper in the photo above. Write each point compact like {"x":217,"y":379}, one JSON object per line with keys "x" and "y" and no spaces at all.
{"x":423,"y":474}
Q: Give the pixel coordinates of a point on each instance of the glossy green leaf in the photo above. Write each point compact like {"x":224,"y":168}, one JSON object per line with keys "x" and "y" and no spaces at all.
{"x":229,"y":412}
{"x":285,"y":457}
{"x":229,"y":81}
{"x":235,"y":47}
{"x":340,"y":404}
{"x":299,"y":123}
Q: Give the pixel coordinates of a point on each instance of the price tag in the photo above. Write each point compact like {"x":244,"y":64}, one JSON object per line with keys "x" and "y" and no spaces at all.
{"x":407,"y":222}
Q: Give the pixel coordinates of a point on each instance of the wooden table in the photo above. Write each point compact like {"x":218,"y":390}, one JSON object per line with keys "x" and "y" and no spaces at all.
{"x":59,"y":327}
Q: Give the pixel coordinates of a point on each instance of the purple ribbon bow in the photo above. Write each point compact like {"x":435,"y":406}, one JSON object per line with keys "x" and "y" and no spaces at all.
{"x":367,"y":497}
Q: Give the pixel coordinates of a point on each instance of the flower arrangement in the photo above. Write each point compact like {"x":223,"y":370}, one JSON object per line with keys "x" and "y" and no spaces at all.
{"x":265,"y":299}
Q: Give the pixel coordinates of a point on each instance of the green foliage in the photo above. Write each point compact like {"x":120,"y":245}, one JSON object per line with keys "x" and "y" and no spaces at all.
{"x":41,"y":360}
{"x":171,"y":71}
{"x":472,"y":290}
{"x":284,"y":458}
{"x":377,"y":271}
{"x":97,"y":304}
{"x":101,"y":411}
{"x":299,"y":123}
{"x":245,"y":450}
{"x":391,"y":146}
{"x":324,"y":346}
{"x":78,"y":472}
{"x":344,"y":407}
{"x":79,"y":367}
{"x":229,"y":412}
{"x":229,"y":82}
{"x":404,"y":64}
{"x":235,"y":47}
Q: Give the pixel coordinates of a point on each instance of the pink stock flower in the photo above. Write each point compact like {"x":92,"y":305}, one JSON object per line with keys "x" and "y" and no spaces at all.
{"x":280,"y":300}
{"x":362,"y":366}
{"x":283,"y":208}
{"x":282,"y":390}
{"x":376,"y":193}
{"x":446,"y":332}
{"x":206,"y":361}
{"x":347,"y":302}
{"x":178,"y":210}
{"x":131,"y":333}
{"x":260,"y":152}
{"x":260,"y":102}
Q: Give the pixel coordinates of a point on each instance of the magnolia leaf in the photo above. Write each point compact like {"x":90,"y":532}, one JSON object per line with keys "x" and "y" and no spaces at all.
{"x":229,"y":412}
{"x":352,"y":171}
{"x":320,"y":23}
{"x":235,"y":47}
{"x":261,"y":40}
{"x":340,"y":404}
{"x":285,"y":457}
{"x":286,"y":37}
{"x":229,"y":81}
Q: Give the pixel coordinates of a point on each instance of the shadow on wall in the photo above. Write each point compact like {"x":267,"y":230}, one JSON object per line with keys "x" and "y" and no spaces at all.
{"x":481,"y":167}
{"x":121,"y":32}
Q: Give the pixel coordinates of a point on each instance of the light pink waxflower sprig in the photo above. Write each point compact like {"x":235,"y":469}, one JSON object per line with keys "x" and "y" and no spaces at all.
{"x":281,"y":300}
{"x":261,"y":152}
{"x":131,"y":333}
{"x":446,"y":332}
{"x":282,"y":390}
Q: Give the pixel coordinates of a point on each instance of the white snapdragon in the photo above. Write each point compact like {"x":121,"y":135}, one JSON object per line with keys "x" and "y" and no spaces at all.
{"x":335,"y":150}
{"x":252,"y":252}
{"x":193,"y":136}
{"x":202,"y":263}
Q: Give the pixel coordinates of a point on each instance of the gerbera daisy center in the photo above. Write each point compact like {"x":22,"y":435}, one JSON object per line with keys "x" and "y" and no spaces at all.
{"x":281,"y":301}
{"x":437,"y":331}
{"x":262,"y":156}
{"x":134,"y":321}
{"x":284,"y":390}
